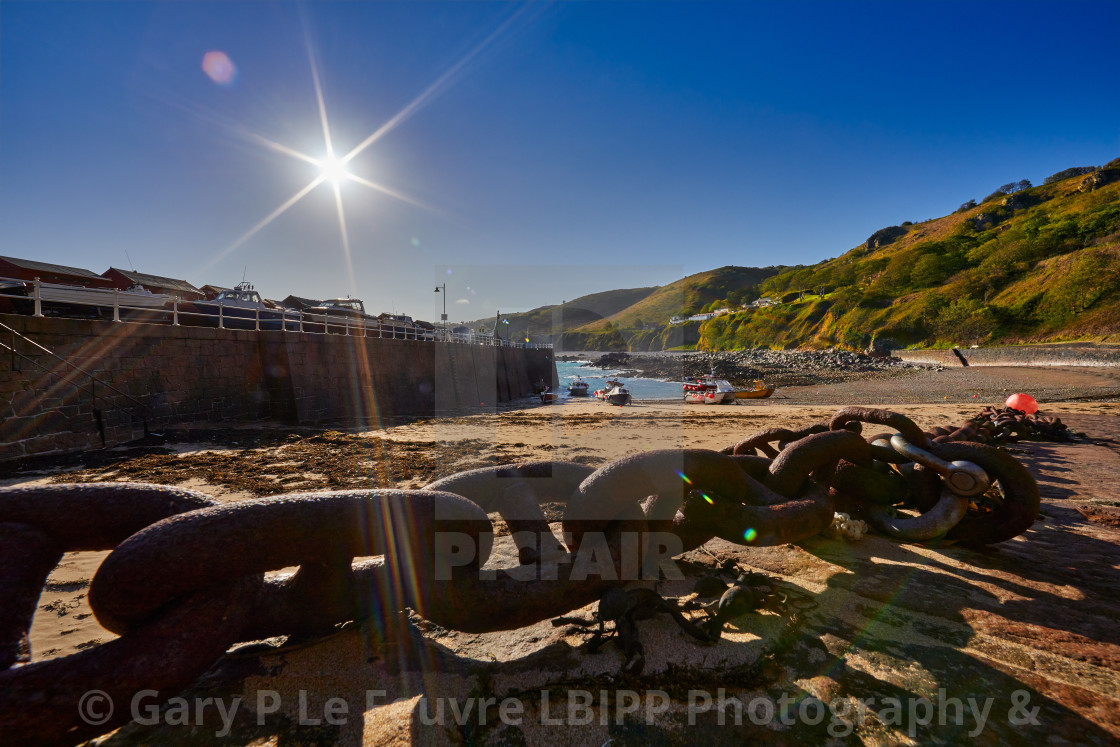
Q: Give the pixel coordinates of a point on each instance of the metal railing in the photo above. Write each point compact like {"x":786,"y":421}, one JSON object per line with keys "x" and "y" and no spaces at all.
{"x":93,"y":379}
{"x":235,"y":317}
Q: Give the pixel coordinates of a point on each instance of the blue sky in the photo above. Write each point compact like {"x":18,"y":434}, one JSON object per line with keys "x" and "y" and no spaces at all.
{"x":534,"y":152}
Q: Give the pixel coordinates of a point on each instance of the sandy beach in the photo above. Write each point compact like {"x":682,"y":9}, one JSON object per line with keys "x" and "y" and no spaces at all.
{"x":1036,"y":612}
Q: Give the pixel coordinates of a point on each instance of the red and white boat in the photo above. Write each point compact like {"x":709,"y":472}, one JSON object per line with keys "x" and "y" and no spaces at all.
{"x":708,"y":390}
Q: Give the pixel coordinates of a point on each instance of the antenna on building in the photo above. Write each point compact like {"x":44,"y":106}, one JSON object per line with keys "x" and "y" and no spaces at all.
{"x":129,"y":260}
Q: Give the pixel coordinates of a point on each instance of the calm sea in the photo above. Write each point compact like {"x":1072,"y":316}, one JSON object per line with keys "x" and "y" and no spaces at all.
{"x":596,"y":378}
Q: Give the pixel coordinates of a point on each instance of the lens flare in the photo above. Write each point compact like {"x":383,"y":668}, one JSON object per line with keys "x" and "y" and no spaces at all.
{"x":749,"y":535}
{"x":684,"y":477}
{"x":219,"y":68}
{"x":709,"y":500}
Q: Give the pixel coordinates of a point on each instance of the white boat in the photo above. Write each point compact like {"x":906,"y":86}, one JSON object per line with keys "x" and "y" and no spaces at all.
{"x":618,"y":395}
{"x":708,"y":390}
{"x":578,"y":388}
{"x":602,"y":393}
{"x":134,"y":297}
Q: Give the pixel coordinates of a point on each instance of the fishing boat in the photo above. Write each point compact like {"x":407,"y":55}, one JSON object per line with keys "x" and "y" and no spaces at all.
{"x":708,"y":390}
{"x":611,"y":384}
{"x":759,"y":390}
{"x":578,"y":388}
{"x":547,"y":396}
{"x":618,"y":395}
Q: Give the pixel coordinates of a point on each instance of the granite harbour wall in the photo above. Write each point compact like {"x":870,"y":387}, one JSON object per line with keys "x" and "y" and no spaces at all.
{"x":100,"y":383}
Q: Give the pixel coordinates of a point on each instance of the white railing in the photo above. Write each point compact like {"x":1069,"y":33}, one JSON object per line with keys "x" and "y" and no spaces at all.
{"x":232,"y":317}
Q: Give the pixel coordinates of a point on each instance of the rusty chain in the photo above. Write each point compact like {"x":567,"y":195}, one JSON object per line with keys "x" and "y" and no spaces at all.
{"x":185,"y":576}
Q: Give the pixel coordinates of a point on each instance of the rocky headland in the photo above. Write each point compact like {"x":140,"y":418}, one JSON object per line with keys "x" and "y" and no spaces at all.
{"x":777,"y":367}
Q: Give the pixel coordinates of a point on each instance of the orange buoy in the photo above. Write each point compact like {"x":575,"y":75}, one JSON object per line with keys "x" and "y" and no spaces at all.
{"x":1023,"y":402}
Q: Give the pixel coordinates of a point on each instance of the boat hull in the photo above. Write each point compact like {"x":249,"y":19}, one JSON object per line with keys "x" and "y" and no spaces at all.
{"x":754,"y":393}
{"x":235,"y":317}
{"x":719,"y":398}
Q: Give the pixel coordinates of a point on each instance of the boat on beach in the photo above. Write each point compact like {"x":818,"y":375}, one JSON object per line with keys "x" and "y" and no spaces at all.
{"x":759,"y":390}
{"x":708,"y":390}
{"x":618,"y":395}
{"x":578,"y":388}
{"x":607,"y":387}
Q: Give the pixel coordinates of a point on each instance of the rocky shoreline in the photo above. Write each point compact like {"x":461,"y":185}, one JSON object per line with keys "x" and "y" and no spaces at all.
{"x":777,"y":367}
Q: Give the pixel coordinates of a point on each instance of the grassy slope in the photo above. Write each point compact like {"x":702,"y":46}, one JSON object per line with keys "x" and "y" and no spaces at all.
{"x":692,"y":292}
{"x":579,"y":311}
{"x":1046,"y":269}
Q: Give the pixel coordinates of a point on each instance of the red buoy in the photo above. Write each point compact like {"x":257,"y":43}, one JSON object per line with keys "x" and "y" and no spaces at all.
{"x":1024,"y":402}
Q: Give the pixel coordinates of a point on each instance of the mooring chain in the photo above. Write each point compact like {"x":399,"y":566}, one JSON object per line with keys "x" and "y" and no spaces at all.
{"x":185,"y":577}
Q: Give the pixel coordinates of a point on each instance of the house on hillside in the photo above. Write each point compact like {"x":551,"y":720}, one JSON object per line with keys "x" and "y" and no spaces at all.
{"x":677,"y":319}
{"x":29,"y":269}
{"x":181,"y":289}
{"x":701,"y":317}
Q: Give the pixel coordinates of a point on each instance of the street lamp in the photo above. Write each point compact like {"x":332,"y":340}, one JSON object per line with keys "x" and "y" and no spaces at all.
{"x":443,"y":316}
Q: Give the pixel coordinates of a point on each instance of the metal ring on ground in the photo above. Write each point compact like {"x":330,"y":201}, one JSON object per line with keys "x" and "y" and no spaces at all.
{"x":43,"y":701}
{"x":615,"y":492}
{"x":932,"y":524}
{"x":904,"y":425}
{"x":203,"y":548}
{"x":44,"y":521}
{"x":1019,"y":502}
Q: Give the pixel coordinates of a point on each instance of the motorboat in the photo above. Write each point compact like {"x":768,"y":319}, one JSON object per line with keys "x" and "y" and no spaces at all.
{"x":547,"y":396}
{"x":611,"y":384}
{"x":134,"y":297}
{"x":618,"y":395}
{"x":339,"y":314}
{"x":242,"y":307}
{"x":708,"y":390}
{"x":578,"y":388}
{"x":759,"y":390}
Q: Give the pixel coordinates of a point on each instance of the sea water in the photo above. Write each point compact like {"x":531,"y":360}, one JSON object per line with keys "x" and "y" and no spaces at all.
{"x":596,"y":378}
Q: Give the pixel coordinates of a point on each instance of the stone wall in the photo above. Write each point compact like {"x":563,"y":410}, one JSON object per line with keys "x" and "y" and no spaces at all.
{"x":1019,"y":355}
{"x":102,"y":383}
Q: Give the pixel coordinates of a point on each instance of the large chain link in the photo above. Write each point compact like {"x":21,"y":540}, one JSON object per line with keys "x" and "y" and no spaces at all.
{"x":185,"y":578}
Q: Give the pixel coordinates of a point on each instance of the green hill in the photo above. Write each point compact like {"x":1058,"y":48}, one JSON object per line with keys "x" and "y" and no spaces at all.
{"x":731,"y":285}
{"x":1025,"y":265}
{"x":542,"y":323}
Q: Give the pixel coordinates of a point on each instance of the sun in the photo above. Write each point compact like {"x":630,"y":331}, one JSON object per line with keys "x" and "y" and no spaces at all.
{"x":333,"y":169}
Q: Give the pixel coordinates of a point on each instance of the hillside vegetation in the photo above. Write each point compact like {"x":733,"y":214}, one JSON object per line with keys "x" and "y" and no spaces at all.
{"x":543,"y":322}
{"x":1028,"y":264}
{"x":1025,"y":264}
{"x":644,"y":325}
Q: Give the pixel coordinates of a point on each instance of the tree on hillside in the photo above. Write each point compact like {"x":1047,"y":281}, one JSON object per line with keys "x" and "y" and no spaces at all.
{"x":1009,"y":188}
{"x":966,"y":320}
{"x":1067,"y":173}
{"x":966,"y":206}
